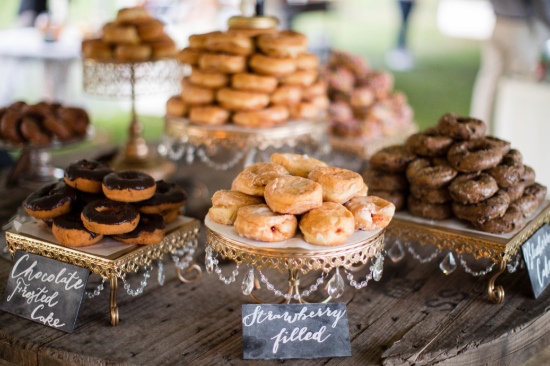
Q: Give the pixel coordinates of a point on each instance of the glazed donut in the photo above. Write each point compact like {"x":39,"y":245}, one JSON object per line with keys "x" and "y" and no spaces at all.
{"x":258,"y":222}
{"x":296,"y":164}
{"x":225,"y":205}
{"x":307,"y":61}
{"x":264,"y":118}
{"x":163,"y":48}
{"x":167,"y":197}
{"x":384,"y":181}
{"x":133,"y":52}
{"x":96,"y":49}
{"x":209,"y":115}
{"x":370,"y":212}
{"x":69,"y":230}
{"x":283,"y":44}
{"x":237,"y":100}
{"x":253,"y":179}
{"x":515,"y":191}
{"x":469,"y":188}
{"x":211,"y":80}
{"x":461,"y":128}
{"x":392,"y":159}
{"x":502,"y":145}
{"x":229,"y":64}
{"x":532,"y":197}
{"x":432,"y":211}
{"x":434,"y":173}
{"x":9,"y":125}
{"x":272,"y":66}
{"x":50,"y":201}
{"x":75,"y":118}
{"x":189,"y":56}
{"x":529,"y":176}
{"x":109,"y":217}
{"x":150,"y":230}
{"x":317,"y":88}
{"x":32,"y":132}
{"x":196,"y":95}
{"x":286,"y":95}
{"x":431,"y":195}
{"x":363,"y":192}
{"x":473,"y":155}
{"x":303,"y":78}
{"x":511,"y":220}
{"x":303,"y":110}
{"x":510,"y":171}
{"x":429,"y":143}
{"x":293,"y":195}
{"x":86,"y":175}
{"x":128,"y":186}
{"x":150,"y":30}
{"x":480,"y":212}
{"x":57,"y":127}
{"x":329,"y":225}
{"x":198,"y":41}
{"x":398,"y":198}
{"x":120,"y":34}
{"x":339,"y":185}
{"x":133,"y":15}
{"x":176,"y":107}
{"x":254,"y":83}
{"x":231,"y":43}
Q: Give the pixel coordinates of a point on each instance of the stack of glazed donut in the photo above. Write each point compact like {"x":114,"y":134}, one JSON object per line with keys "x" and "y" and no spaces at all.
{"x":270,"y":201}
{"x":460,"y":171}
{"x":362,"y":100}
{"x":42,"y":123}
{"x":252,"y":78}
{"x":93,"y":201}
{"x":133,"y":36}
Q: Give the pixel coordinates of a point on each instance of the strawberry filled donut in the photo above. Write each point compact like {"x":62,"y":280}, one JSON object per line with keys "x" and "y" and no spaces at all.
{"x":260,"y":223}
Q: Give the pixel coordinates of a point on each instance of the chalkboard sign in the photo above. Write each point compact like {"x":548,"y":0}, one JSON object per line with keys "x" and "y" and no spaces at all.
{"x":295,"y":331}
{"x":536,"y":253}
{"x":45,"y":290}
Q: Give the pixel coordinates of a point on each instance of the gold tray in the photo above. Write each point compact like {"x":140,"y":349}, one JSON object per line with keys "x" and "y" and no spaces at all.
{"x":113,"y":266}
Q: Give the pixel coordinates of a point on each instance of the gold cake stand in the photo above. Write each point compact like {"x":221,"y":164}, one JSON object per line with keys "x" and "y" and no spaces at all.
{"x":351,"y":256}
{"x":455,"y":235}
{"x":181,"y":240}
{"x":131,"y":80}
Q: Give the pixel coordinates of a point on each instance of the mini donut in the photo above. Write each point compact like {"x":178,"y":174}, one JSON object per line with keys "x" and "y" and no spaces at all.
{"x":303,"y":78}
{"x":109,"y":217}
{"x":211,"y":80}
{"x":86,"y":175}
{"x":510,"y":171}
{"x":238,"y":100}
{"x":480,"y":212}
{"x":229,"y":64}
{"x":511,"y":220}
{"x":370,"y":212}
{"x":502,"y":145}
{"x":9,"y":125}
{"x":258,"y":222}
{"x":286,"y":95}
{"x":254,"y":83}
{"x":176,"y":107}
{"x":128,"y":186}
{"x":75,"y":118}
{"x":469,"y":188}
{"x":198,"y":41}
{"x":384,"y":181}
{"x":196,"y":95}
{"x":150,"y":230}
{"x":317,"y":88}
{"x":392,"y":159}
{"x":515,"y":191}
{"x":50,"y":201}
{"x":296,"y":164}
{"x":69,"y":230}
{"x":167,"y":197}
{"x":434,"y":173}
{"x":460,"y":127}
{"x":473,"y":155}
{"x":429,"y":143}
{"x":431,"y":195}
{"x":231,"y":43}
{"x":532,"y":197}
{"x":133,"y":52}
{"x":432,"y":211}
{"x":283,"y":44}
{"x":303,"y":110}
{"x":253,"y":179}
{"x":163,"y":48}
{"x":33,"y":133}
{"x":209,"y":115}
{"x":57,"y":127}
{"x":267,"y":117}
{"x":132,"y":15}
{"x":189,"y":56}
{"x":225,"y":205}
{"x":97,"y":49}
{"x":272,"y":66}
{"x":339,"y":185}
{"x":307,"y":61}
{"x":398,"y":198}
{"x":293,"y":195}
{"x":150,"y":30}
{"x":529,"y":176}
{"x":120,"y":34}
{"x":329,"y":225}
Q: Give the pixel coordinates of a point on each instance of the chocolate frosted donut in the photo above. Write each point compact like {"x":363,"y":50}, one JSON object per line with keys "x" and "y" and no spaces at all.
{"x":167,"y":197}
{"x":50,"y":201}
{"x":432,"y":211}
{"x":86,"y":175}
{"x":150,"y":230}
{"x":483,"y":211}
{"x":70,"y":231}
{"x":129,"y":186}
{"x":429,"y":143}
{"x":460,"y":127}
{"x":109,"y":217}
{"x":392,"y":159}
{"x":470,"y":188}
{"x":430,"y":173}
{"x":510,"y":221}
{"x":474,"y":155}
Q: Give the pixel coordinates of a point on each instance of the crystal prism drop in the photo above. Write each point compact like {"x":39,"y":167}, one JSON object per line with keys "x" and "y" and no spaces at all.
{"x":335,"y":287}
{"x":209,"y":261}
{"x":448,"y":265}
{"x":396,"y":252}
{"x":248,"y":282}
{"x":378,"y":268}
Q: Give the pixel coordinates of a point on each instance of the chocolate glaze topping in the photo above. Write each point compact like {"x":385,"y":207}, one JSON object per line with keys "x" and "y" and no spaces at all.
{"x":87,"y":169}
{"x":72,"y":221}
{"x":50,"y":197}
{"x":109,"y":212}
{"x":165,"y":193}
{"x":128,"y":180}
{"x":147,"y":223}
